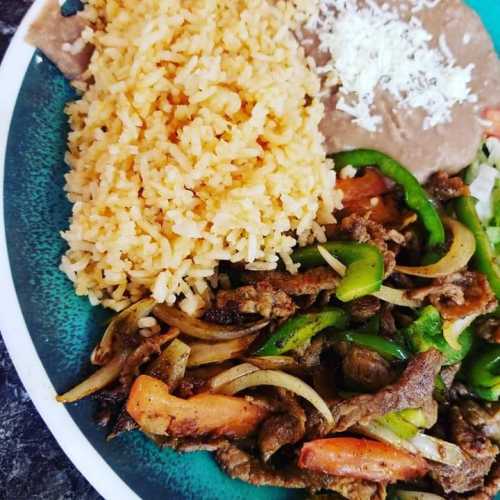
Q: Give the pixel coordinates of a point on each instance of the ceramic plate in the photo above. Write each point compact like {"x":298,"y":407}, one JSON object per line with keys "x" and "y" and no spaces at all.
{"x":49,"y":331}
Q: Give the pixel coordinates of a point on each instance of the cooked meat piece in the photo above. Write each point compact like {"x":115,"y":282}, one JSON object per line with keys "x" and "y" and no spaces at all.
{"x":261,"y":298}
{"x":312,"y":355}
{"x":491,"y":485}
{"x":489,"y":330}
{"x":459,"y":294}
{"x":141,"y":355}
{"x":412,"y":390}
{"x":58,"y":38}
{"x":284,"y":428}
{"x":448,"y":374}
{"x":485,"y":416}
{"x":459,"y":392}
{"x":190,"y":386}
{"x":360,"y":228}
{"x":442,"y":187}
{"x":226,"y":316}
{"x":387,"y":321}
{"x":468,"y":476}
{"x":103,"y":416}
{"x":473,"y":442}
{"x":310,"y":282}
{"x":124,"y":423}
{"x":367,"y":368}
{"x":364,"y":308}
{"x":240,"y":465}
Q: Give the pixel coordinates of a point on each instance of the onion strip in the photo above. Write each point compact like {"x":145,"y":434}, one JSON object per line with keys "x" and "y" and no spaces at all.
{"x":397,"y":297}
{"x":428,"y":446}
{"x":97,"y":381}
{"x":279,"y":379}
{"x":332,"y":261}
{"x":201,"y":329}
{"x":229,"y":375}
{"x":453,"y":329}
{"x":462,"y":248}
{"x":203,"y":353}
{"x":273,"y":362}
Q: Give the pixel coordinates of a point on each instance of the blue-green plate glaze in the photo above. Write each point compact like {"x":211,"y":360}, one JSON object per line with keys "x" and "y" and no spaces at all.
{"x":64,"y":327}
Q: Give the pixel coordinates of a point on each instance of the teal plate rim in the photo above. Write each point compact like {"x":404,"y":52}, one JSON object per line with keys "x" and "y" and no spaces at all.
{"x":49,"y":331}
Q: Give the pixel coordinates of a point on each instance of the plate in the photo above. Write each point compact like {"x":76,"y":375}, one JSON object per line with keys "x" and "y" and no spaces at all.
{"x":48,"y":330}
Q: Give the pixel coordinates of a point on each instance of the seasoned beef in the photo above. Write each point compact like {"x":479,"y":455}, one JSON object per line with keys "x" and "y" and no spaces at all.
{"x":442,"y":187}
{"x":491,"y":485}
{"x":485,"y":416}
{"x":468,"y":476}
{"x":239,"y":464}
{"x":367,"y":369}
{"x":261,"y":298}
{"x":448,"y":374}
{"x":124,"y":423}
{"x":310,"y":282}
{"x":479,"y":454}
{"x":411,"y":390}
{"x":387,"y":321}
{"x":489,"y":330}
{"x":284,"y":428}
{"x":364,"y":308}
{"x":472,"y":441}
{"x":360,"y":228}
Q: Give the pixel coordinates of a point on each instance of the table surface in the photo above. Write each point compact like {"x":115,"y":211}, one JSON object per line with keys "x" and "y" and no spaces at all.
{"x":32,"y":465}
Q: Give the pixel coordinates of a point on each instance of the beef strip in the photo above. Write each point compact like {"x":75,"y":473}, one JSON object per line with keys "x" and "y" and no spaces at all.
{"x":239,"y":464}
{"x":360,"y":228}
{"x":448,"y":374}
{"x":489,"y":330}
{"x":387,"y":322}
{"x":442,"y":187}
{"x":284,"y":428}
{"x":411,"y":390}
{"x":472,"y":441}
{"x":468,"y":476}
{"x":310,"y":282}
{"x":367,"y":368}
{"x":364,"y":308}
{"x":458,"y":294}
{"x":261,"y":298}
{"x":491,"y":485}
{"x":479,"y":455}
{"x":485,"y":416}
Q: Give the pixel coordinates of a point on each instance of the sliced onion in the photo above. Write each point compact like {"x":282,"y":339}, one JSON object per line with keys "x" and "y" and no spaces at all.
{"x":396,"y":297}
{"x":332,"y":261}
{"x":170,"y":365}
{"x":417,"y":495}
{"x":97,"y":381}
{"x":428,"y":446}
{"x":462,"y":248}
{"x":202,"y":329}
{"x":273,"y":362}
{"x":203,"y":353}
{"x":452,"y":329}
{"x":437,"y":449}
{"x":123,"y":324}
{"x":279,"y":379}
{"x":230,"y":375}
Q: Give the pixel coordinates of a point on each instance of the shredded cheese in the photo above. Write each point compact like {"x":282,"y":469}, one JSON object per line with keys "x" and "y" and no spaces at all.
{"x":372,"y":48}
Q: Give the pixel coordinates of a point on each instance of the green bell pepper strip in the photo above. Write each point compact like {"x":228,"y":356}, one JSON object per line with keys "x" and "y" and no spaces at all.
{"x":386,"y":348}
{"x":365,"y":266}
{"x":415,"y":196}
{"x":483,"y":375}
{"x":484,"y":258}
{"x":426,"y":332}
{"x":300,"y":328}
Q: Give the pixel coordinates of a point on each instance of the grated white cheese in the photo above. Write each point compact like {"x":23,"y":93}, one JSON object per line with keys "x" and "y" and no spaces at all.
{"x":373,"y":48}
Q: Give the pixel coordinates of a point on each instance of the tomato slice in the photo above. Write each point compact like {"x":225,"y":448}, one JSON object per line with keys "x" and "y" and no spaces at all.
{"x":361,"y":458}
{"x":370,"y":184}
